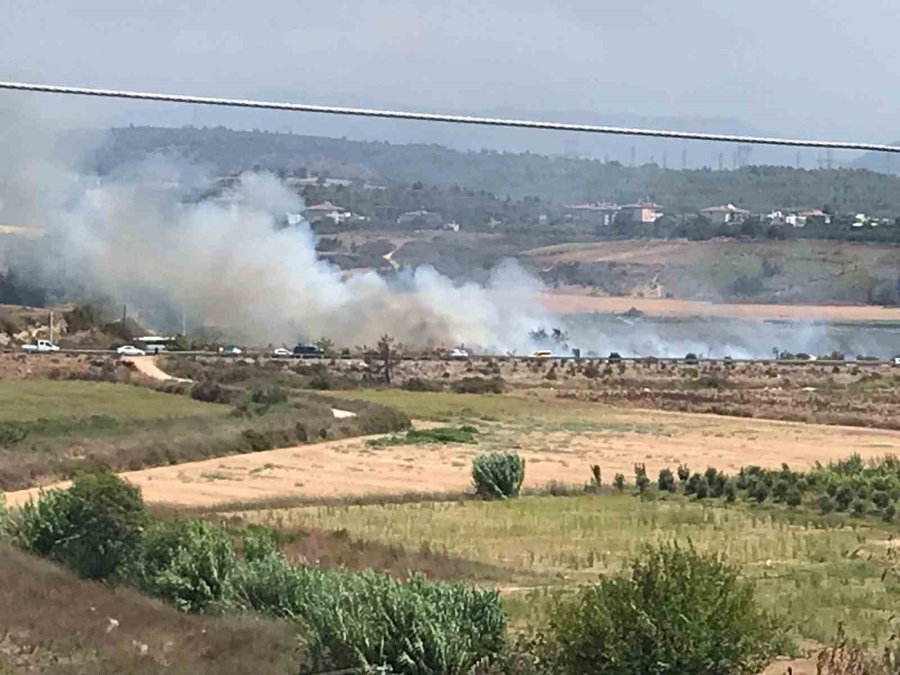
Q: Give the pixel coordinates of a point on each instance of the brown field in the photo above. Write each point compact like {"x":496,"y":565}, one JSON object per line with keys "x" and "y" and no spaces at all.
{"x":560,"y":440}
{"x":52,"y":622}
{"x":572,"y":302}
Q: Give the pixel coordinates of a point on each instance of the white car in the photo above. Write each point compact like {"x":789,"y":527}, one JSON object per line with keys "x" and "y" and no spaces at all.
{"x":130,"y":350}
{"x":895,"y":361}
{"x":232,"y":351}
{"x":282,"y":353}
{"x":459,"y":353}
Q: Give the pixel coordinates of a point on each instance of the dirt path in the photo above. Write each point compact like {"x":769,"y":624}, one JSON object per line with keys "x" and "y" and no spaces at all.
{"x":577,"y":303}
{"x":350,"y":468}
{"x":146,"y":365}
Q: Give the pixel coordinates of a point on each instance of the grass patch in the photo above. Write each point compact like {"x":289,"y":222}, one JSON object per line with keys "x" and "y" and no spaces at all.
{"x":36,"y":400}
{"x":819,"y":575}
{"x":464,"y":434}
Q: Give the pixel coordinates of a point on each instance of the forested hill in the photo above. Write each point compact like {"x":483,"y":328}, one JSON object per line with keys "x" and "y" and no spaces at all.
{"x":758,"y":188}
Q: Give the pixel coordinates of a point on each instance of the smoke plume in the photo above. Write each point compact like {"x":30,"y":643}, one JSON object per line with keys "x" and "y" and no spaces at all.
{"x":140,"y":237}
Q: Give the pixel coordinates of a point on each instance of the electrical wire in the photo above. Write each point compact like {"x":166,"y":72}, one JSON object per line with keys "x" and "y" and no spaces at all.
{"x":453,"y":119}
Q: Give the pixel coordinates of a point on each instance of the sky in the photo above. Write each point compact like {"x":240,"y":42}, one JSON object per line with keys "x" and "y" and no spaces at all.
{"x":824,"y":68}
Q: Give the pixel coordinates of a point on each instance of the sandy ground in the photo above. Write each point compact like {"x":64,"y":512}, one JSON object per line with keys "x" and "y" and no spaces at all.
{"x":146,"y":365}
{"x":350,"y":468}
{"x":574,"y":303}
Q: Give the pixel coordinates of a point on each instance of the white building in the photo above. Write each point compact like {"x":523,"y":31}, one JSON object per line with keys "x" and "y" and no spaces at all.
{"x":727,"y":214}
{"x":639,"y":212}
{"x":327,"y":211}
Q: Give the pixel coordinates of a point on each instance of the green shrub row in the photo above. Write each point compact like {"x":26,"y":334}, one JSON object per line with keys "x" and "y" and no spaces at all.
{"x":101,"y":529}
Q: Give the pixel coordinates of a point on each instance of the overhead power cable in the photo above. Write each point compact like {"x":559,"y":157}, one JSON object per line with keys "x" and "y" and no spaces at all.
{"x":453,"y":119}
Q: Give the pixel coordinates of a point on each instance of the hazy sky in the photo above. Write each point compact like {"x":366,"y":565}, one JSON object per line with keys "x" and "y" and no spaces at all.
{"x":804,"y":67}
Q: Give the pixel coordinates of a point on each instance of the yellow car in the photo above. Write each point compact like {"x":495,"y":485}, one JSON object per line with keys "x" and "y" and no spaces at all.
{"x":541,"y":354}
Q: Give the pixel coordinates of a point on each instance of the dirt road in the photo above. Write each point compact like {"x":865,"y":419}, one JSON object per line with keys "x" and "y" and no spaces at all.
{"x":578,"y":303}
{"x":350,"y":468}
{"x":146,"y":365}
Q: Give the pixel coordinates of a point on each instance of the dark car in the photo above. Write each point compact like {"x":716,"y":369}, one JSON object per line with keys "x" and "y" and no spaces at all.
{"x":308,"y":352}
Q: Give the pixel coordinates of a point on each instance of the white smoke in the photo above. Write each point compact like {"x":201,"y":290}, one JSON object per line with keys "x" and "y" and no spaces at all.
{"x":137,"y":237}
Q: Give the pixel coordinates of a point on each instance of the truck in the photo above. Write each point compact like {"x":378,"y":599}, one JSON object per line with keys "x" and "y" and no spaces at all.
{"x":41,"y":347}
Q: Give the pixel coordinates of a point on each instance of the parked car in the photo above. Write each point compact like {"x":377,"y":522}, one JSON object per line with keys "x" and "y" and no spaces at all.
{"x":130,"y":350}
{"x":232,"y":351}
{"x":41,"y":347}
{"x":308,"y":352}
{"x":282,"y":353}
{"x":459,"y":353}
{"x":541,"y":354}
{"x":895,"y":361}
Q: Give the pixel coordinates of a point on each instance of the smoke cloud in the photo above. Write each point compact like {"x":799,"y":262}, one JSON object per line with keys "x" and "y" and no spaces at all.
{"x":140,"y":237}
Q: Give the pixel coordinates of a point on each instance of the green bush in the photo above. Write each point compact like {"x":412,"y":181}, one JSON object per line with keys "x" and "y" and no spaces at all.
{"x":619,"y":482}
{"x":678,"y":612}
{"x":666,"y":480}
{"x":185,"y":562}
{"x":368,"y":620}
{"x":464,"y":434}
{"x":683,"y":473}
{"x":498,"y":475}
{"x":94,"y":527}
{"x":826,"y":504}
{"x":256,"y":441}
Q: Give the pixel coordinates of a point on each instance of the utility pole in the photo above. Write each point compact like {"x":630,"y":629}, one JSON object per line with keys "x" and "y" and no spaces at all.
{"x":721,"y":161}
{"x":124,"y":317}
{"x":51,"y":326}
{"x":683,"y":159}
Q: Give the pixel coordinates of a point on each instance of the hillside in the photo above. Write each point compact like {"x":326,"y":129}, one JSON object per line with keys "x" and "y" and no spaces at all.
{"x":758,"y":188}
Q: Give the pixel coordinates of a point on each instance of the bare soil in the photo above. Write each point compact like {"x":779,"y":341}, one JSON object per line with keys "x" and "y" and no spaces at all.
{"x":350,"y":468}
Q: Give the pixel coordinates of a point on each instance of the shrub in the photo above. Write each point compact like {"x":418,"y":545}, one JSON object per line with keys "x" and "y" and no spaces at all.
{"x":185,"y":562}
{"x":256,"y":441}
{"x":859,"y":507}
{"x":383,"y":420}
{"x":760,"y":492}
{"x":702,"y":489}
{"x":683,"y":473}
{"x":418,"y":384}
{"x":729,"y":491}
{"x":498,"y":475}
{"x":464,"y":434}
{"x":666,"y":480}
{"x":641,"y":481}
{"x":210,"y":392}
{"x":93,"y":528}
{"x":678,"y":612}
{"x":881,"y":498}
{"x":268,"y":396}
{"x":793,"y":497}
{"x":843,"y":497}
{"x":619,"y":482}
{"x":369,"y":620}
{"x":596,"y":476}
{"x":826,"y":504}
{"x":479,"y":385}
{"x":887,"y":515}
